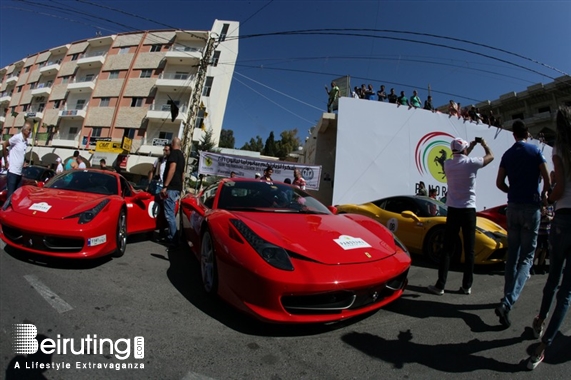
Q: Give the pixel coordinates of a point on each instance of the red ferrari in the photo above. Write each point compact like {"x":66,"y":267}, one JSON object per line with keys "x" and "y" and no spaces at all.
{"x":78,"y":214}
{"x":496,"y":214}
{"x":273,"y":251}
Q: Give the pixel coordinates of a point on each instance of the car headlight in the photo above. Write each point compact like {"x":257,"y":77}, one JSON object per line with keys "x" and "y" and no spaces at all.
{"x":271,"y":253}
{"x":88,"y":215}
{"x":399,"y":244}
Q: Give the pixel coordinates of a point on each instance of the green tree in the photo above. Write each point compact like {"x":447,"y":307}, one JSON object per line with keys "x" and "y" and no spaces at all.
{"x":270,"y":147}
{"x":254,"y":145}
{"x":207,"y":143}
{"x":227,"y":139}
{"x":289,"y":142}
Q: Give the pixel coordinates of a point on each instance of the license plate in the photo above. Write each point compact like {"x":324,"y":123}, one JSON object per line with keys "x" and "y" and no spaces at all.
{"x":96,"y":240}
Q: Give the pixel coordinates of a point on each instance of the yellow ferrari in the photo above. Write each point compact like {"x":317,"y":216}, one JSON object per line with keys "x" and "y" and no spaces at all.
{"x":419,"y":224}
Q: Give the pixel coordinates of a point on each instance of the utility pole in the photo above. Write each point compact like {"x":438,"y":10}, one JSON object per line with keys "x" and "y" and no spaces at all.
{"x":194,"y":106}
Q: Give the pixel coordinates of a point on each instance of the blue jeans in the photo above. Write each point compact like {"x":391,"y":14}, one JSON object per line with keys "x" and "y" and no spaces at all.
{"x":13,"y":182}
{"x":523,"y":224}
{"x":559,"y":264}
{"x":170,"y":216}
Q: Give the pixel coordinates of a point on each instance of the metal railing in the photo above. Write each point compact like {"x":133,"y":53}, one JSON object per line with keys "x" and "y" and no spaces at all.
{"x":167,"y":107}
{"x":183,"y":49}
{"x":176,"y":76}
{"x":88,"y":78}
{"x":93,"y":54}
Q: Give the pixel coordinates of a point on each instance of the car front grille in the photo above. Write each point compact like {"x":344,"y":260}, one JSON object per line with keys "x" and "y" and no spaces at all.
{"x":337,"y":301}
{"x":39,"y":242}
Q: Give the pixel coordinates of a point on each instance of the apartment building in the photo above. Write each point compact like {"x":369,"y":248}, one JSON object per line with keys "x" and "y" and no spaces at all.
{"x":117,"y":89}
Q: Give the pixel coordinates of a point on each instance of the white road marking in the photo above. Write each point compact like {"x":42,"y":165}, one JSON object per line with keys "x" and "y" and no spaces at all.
{"x":53,"y":299}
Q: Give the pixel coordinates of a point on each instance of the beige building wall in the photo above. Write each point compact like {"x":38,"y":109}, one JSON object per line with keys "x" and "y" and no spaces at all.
{"x":51,"y":117}
{"x":34,"y":76}
{"x":10,"y":69}
{"x":15,"y":98}
{"x":118,"y":62}
{"x":43,"y":57}
{"x":108,"y":88}
{"x":162,"y":38}
{"x":58,"y":91}
{"x":99,"y":116}
{"x":128,"y":40}
{"x":26,"y":97}
{"x":22,"y":79}
{"x":78,"y":48}
{"x":30,"y":61}
{"x":149,"y":60}
{"x":131,"y":117}
{"x":67,"y":68}
{"x":139,"y":87}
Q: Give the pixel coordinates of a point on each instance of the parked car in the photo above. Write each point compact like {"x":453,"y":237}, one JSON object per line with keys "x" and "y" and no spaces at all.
{"x":77,"y":214}
{"x":496,"y":214}
{"x":273,"y":251}
{"x":31,"y":175}
{"x":420,"y":222}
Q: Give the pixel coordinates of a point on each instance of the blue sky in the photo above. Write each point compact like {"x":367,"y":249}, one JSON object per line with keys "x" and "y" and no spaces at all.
{"x":279,"y":80}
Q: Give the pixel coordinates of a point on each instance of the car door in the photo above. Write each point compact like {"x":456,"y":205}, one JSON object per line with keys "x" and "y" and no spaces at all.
{"x":408,"y":230}
{"x":194,"y":209}
{"x":141,"y":210}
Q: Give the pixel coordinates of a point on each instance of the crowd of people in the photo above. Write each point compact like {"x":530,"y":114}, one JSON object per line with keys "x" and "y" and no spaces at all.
{"x":533,"y":228}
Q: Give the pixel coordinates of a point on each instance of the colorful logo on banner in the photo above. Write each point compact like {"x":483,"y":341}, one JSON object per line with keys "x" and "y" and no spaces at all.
{"x":431,"y":152}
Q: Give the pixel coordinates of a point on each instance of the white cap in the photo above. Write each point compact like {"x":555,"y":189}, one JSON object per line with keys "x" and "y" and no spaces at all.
{"x":58,"y":159}
{"x":458,"y":144}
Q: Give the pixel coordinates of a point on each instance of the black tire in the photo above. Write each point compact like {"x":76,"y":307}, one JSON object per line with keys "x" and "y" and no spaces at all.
{"x":121,"y":235}
{"x":208,"y":266}
{"x":434,"y":245}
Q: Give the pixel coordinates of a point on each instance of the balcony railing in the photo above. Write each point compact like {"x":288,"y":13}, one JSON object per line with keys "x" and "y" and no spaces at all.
{"x":44,"y":85}
{"x":93,"y":54}
{"x":176,"y":76}
{"x":73,"y":112}
{"x":167,"y":107}
{"x":49,"y":63}
{"x":181,"y":48}
{"x":88,"y":78}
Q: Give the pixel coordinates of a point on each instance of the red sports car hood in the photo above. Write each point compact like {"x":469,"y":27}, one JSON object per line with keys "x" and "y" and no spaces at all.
{"x":329,"y":239}
{"x":52,"y":203}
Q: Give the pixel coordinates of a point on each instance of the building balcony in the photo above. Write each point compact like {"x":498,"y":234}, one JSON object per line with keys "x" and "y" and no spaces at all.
{"x":154,"y":147}
{"x":43,"y":89}
{"x":174,"y":81}
{"x":64,"y":143}
{"x":12,"y":79}
{"x":163,"y":112}
{"x":184,"y":55}
{"x":95,"y":59}
{"x":73,"y":113}
{"x":82,"y":84}
{"x":35,"y":114}
{"x":51,"y":67}
{"x":5,"y":98}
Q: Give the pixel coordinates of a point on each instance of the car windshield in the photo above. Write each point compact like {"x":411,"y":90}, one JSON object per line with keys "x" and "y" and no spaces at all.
{"x":32,"y":172}
{"x":264,"y":196}
{"x":431,"y":207}
{"x":85,"y":181}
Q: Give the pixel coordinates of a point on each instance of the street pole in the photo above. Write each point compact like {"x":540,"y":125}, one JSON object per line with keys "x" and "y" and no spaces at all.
{"x":194,"y":105}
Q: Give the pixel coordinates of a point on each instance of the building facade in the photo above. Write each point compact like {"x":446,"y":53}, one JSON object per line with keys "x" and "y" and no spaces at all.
{"x":118,"y":89}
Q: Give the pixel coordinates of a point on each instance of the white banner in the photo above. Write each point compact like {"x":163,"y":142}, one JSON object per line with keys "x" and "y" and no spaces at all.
{"x":223,"y":164}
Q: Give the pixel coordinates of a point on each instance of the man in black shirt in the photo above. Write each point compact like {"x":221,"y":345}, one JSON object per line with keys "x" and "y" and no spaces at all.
{"x":172,"y":187}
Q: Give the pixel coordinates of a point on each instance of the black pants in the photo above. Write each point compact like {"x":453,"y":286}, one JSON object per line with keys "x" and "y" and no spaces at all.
{"x":456,"y":219}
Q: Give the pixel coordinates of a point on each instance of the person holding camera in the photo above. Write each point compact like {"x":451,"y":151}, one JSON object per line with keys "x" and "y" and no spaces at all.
{"x":523,"y":165}
{"x":461,"y":173}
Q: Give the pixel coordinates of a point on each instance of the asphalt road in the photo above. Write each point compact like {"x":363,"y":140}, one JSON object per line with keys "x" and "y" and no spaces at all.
{"x":157,"y":295}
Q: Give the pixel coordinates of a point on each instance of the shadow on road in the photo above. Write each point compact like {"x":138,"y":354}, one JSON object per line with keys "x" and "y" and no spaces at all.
{"x":184,"y":274}
{"x":449,"y":357}
{"x":23,"y":367}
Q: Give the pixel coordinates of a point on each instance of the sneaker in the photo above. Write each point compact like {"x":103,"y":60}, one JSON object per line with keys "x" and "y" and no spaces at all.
{"x":435,"y":290}
{"x":534,"y":361}
{"x":503,"y":312}
{"x":538,"y":325}
{"x":465,"y":290}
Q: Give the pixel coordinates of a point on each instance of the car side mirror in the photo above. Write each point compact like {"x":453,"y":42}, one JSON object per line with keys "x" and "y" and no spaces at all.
{"x":142,"y":195}
{"x":410,"y":215}
{"x":333,"y":209}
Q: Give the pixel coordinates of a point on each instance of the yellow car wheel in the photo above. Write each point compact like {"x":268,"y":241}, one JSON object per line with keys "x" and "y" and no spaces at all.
{"x":434,"y":245}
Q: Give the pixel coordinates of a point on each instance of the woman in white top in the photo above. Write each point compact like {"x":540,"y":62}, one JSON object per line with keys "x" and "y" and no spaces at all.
{"x":559,"y":240}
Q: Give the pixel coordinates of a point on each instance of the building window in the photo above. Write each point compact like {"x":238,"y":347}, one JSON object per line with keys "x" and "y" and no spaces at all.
{"x":18,"y":89}
{"x":129,"y":133}
{"x":75,"y":56}
{"x":65,"y":79}
{"x":41,"y":107}
{"x":114,"y":74}
{"x":33,"y":85}
{"x":96,"y":132}
{"x":199,"y":119}
{"x":147,"y":73}
{"x":136,"y":102}
{"x":215,"y":58}
{"x":166,"y":135}
{"x":72,"y":133}
{"x":124,"y":50}
{"x":207,"y":86}
{"x":544,"y":109}
{"x":104,"y":102}
{"x":57,"y":104}
{"x":156,"y":48}
{"x":25,"y":107}
{"x":516,"y":116}
{"x":27,"y":70}
{"x":224,"y":32}
{"x":80,"y":104}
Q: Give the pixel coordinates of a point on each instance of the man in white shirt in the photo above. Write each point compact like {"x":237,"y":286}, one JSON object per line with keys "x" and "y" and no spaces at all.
{"x":59,"y":167}
{"x":461,"y":173}
{"x":81,"y":163}
{"x":15,"y":162}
